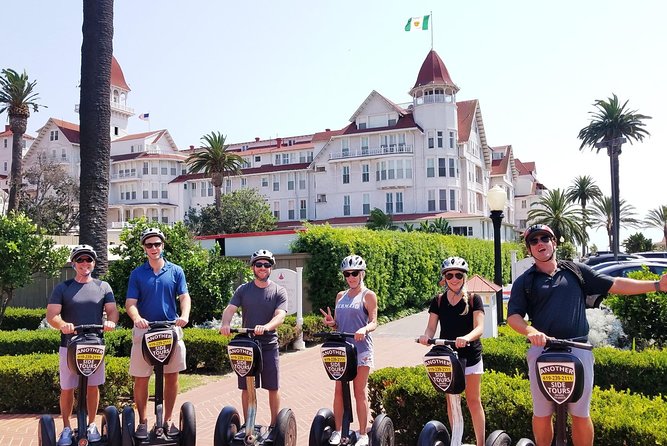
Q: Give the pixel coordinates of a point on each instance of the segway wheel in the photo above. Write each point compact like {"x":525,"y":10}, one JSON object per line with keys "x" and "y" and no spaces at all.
{"x":525,"y":442}
{"x":285,"y":434}
{"x":321,"y":428}
{"x":188,"y":425}
{"x":382,"y":431}
{"x":47,"y":431}
{"x":127,"y":434}
{"x":226,"y":427}
{"x":434,"y":433}
{"x":498,"y":438}
{"x":111,"y":426}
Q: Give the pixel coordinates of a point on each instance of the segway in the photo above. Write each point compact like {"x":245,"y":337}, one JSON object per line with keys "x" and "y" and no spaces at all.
{"x":560,"y":377}
{"x":339,"y":358}
{"x":85,"y":353}
{"x":447,"y":375}
{"x":245,"y":355}
{"x":157,"y":345}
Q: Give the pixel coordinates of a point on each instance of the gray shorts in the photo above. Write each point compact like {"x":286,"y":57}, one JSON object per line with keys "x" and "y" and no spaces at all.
{"x":269,"y":379}
{"x":69,"y":380}
{"x":141,"y":368}
{"x":542,"y":407}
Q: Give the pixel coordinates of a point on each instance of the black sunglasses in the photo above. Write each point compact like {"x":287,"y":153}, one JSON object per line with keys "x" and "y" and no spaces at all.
{"x":535,"y":240}
{"x":84,"y":259}
{"x":350,"y":273}
{"x":153,"y":245}
{"x":263,"y":265}
{"x":449,"y":276}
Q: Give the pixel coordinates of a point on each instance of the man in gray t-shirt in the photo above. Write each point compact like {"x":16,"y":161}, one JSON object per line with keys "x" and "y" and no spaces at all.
{"x":263,"y":305}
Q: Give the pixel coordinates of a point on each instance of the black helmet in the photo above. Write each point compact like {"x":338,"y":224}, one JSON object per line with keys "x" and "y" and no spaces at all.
{"x":353,"y":263}
{"x":454,"y":263}
{"x":151,"y":232}
{"x":80,"y":250}
{"x":262,"y":254}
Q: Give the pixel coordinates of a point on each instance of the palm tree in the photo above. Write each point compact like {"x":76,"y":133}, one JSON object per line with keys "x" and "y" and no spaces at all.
{"x":657,"y":218}
{"x":215,"y":161}
{"x":583,"y":190}
{"x":602,"y":216}
{"x":610,"y":126}
{"x":561,"y":215}
{"x":378,"y":221}
{"x":17,"y":96}
{"x":95,"y":120}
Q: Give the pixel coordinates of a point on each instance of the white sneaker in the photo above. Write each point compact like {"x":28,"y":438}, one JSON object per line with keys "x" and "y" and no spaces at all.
{"x":65,"y":437}
{"x":93,"y":433}
{"x":335,"y":438}
{"x":362,"y":441}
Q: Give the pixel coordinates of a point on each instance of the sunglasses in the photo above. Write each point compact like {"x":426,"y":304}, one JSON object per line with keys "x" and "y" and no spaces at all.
{"x":449,"y":276}
{"x":350,"y":273}
{"x":262,"y":265}
{"x":84,"y":259}
{"x":535,"y":240}
{"x":153,"y":245}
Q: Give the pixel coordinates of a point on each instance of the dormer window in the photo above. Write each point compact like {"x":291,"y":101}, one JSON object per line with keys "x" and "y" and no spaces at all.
{"x":361,"y":126}
{"x":53,"y":135}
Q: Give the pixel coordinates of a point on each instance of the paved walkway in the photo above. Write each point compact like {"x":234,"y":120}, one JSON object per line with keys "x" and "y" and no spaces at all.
{"x":305,"y":387}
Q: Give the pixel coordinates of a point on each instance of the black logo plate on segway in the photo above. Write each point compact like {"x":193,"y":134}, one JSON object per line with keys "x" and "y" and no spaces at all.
{"x":160,"y":344}
{"x":440,"y":371}
{"x":242,"y":359}
{"x":89,"y":358}
{"x":557,"y":380}
{"x":335,"y":361}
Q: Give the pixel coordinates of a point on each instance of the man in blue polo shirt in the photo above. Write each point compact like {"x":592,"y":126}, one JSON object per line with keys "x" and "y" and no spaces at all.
{"x":151,"y":296}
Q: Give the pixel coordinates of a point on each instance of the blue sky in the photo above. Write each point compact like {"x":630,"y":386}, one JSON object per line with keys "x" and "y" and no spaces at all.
{"x":264,"y":69}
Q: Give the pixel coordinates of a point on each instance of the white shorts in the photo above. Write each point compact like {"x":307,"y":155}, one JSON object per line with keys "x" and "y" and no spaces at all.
{"x":477,"y":369}
{"x":138,"y":365}
{"x":69,"y":380}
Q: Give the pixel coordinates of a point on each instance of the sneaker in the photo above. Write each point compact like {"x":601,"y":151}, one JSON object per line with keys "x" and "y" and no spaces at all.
{"x":335,"y":438}
{"x":171,"y":429}
{"x":92,"y":433}
{"x":362,"y":441}
{"x":142,"y":431}
{"x":65,"y":437}
{"x":271,"y":433}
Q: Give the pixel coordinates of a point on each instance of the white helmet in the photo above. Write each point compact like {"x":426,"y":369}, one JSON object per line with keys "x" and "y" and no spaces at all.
{"x":353,"y":263}
{"x":80,"y":250}
{"x":262,"y":254}
{"x":151,"y":232}
{"x":454,"y":263}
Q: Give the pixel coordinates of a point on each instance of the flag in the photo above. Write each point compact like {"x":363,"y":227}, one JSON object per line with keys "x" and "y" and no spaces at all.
{"x":144,"y":117}
{"x":417,"y":23}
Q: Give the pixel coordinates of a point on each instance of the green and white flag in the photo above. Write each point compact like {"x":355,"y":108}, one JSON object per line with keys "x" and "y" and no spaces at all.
{"x":417,"y":23}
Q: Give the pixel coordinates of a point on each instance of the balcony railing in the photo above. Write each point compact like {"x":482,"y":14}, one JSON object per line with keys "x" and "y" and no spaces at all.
{"x":391,"y":149}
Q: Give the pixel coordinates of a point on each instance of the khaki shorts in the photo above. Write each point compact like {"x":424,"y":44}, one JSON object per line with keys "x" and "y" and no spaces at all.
{"x":138,"y":365}
{"x":70,"y":380}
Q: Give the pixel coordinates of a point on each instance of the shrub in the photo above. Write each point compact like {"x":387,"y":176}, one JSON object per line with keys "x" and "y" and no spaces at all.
{"x":17,"y":318}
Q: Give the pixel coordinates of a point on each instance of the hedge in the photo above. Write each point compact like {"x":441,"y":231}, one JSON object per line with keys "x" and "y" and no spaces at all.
{"x":408,"y":398}
{"x":17,"y":318}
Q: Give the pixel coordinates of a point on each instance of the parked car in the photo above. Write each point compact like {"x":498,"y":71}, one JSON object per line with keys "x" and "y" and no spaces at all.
{"x":653,"y":254}
{"x":622,"y":269}
{"x":602,"y":258}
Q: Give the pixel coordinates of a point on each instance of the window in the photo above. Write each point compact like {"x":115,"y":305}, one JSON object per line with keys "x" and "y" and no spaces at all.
{"x":391,"y":121}
{"x":399,"y":202}
{"x":185,"y":186}
{"x":441,"y":139}
{"x":452,"y":168}
{"x":366,"y":204}
{"x":5,"y":164}
{"x":258,"y":158}
{"x":452,"y":199}
{"x":302,"y":209}
{"x":365,"y":173}
{"x":302,"y":180}
{"x":154,"y":170}
{"x":364,"y":145}
{"x":345,"y":146}
{"x":228,"y":186}
{"x":290,"y":181}
{"x":346,"y":174}
{"x":361,"y":125}
{"x":276,"y":183}
{"x":442,"y":199}
{"x":442,"y":167}
{"x":286,"y":159}
{"x":5,"y":142}
{"x":164,"y":170}
{"x":431,"y":140}
{"x":244,"y":182}
{"x":277,"y":159}
{"x":462,"y":230}
{"x":321,"y":198}
{"x":265,"y":182}
{"x":430,"y":168}
{"x":524,"y":205}
{"x":346,"y":205}
{"x":431,"y":200}
{"x":145,"y":194}
{"x":291,"y":213}
{"x":389,"y":203}
{"x":144,"y":170}
{"x":452,"y":139}
{"x":209,"y":188}
{"x":53,"y":135}
{"x":276,"y":209}
{"x":391,"y":172}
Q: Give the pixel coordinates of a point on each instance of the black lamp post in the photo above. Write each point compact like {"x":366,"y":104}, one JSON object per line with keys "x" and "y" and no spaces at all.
{"x":497,"y":199}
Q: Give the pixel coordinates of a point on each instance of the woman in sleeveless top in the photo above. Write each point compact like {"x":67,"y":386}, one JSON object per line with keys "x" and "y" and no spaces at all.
{"x":461,"y":318}
{"x":355,"y":312}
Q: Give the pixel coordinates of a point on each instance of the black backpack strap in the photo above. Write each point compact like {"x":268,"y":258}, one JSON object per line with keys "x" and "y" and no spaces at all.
{"x":528,"y":282}
{"x":574,"y":269}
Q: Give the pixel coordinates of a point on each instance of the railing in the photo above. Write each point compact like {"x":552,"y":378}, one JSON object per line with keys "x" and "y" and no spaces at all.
{"x":392,"y":149}
{"x":122,"y":175}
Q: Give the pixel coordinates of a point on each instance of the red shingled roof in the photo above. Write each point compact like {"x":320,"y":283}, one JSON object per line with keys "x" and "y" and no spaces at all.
{"x":466,"y":113}
{"x":7,"y":133}
{"x":117,"y":77}
{"x":434,"y":71}
{"x":68,"y":129}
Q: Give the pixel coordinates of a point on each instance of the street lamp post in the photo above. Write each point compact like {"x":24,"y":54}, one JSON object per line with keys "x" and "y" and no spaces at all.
{"x":497,"y":199}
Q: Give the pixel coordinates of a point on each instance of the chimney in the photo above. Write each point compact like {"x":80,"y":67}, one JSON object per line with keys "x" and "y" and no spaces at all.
{"x":327,"y":130}
{"x":7,"y":127}
{"x":279,"y":142}
{"x":192,"y":147}
{"x":256,"y":138}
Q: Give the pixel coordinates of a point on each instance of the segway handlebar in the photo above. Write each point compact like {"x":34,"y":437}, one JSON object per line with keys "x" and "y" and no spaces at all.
{"x":88,"y":327}
{"x":248,"y":330}
{"x":555,"y":342}
{"x":436,"y":341}
{"x":333,"y":334}
{"x":161,"y":324}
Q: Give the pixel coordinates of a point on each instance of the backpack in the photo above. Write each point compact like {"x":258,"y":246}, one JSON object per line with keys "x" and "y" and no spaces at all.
{"x":592,"y":300}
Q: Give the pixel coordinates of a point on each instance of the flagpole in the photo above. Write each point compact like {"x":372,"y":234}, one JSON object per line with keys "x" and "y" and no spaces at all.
{"x":431,"y":14}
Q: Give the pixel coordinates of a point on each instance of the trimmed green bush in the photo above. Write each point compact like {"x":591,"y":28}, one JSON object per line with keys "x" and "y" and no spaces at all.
{"x":18,"y":318}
